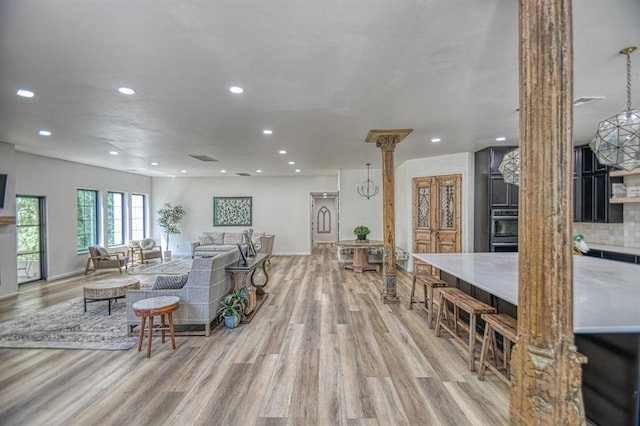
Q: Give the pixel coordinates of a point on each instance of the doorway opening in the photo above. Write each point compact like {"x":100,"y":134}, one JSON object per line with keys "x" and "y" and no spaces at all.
{"x":325,"y":221}
{"x":30,"y":238}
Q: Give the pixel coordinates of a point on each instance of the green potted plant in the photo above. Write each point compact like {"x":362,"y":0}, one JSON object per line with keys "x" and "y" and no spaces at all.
{"x":361,"y":232}
{"x":233,"y":307}
{"x":169,"y":217}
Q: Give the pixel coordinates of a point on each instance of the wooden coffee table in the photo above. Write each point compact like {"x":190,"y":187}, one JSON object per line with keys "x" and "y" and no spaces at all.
{"x":109,"y":290}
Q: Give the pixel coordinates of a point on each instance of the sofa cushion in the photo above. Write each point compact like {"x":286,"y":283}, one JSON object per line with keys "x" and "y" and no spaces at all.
{"x":232,"y":238}
{"x":215,"y":247}
{"x":170,"y":282}
{"x":147,"y":243}
{"x":205,"y":240}
{"x":216,"y":237}
{"x":103,"y":252}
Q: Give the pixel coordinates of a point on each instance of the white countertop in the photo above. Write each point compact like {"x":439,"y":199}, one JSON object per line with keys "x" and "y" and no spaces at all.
{"x":615,"y":249}
{"x":606,"y":293}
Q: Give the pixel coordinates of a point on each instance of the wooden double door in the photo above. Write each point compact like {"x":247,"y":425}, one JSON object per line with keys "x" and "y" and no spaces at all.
{"x":437,"y":226}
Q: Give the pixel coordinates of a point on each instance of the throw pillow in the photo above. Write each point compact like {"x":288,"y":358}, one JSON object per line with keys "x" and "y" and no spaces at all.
{"x":134,"y":244}
{"x":147,"y":244}
{"x":257,"y":242}
{"x":205,"y":240}
{"x":170,"y":282}
{"x":103,"y":252}
{"x":232,"y":238}
{"x":216,"y":237}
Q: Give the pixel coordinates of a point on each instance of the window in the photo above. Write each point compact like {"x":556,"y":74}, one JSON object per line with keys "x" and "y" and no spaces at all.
{"x":138,"y":217}
{"x":87,"y":219}
{"x":115,"y":218}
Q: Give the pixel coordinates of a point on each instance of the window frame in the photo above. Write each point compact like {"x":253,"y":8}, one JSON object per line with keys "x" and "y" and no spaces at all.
{"x":133,"y":218}
{"x":111,"y":219}
{"x":84,"y":223}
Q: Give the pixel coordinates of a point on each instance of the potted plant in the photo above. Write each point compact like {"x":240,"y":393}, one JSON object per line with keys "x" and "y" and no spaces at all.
{"x":233,"y":306}
{"x":169,"y":217}
{"x":361,"y":232}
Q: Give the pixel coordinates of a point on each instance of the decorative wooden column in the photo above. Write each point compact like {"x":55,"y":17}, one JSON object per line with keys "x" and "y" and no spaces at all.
{"x":386,"y":140}
{"x":545,"y":372}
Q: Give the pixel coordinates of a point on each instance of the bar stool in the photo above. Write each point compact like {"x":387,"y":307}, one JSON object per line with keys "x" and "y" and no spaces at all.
{"x":148,"y":308}
{"x":461,"y":302}
{"x":429,"y":282}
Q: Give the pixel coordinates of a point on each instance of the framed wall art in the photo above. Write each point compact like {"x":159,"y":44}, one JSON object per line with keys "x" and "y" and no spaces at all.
{"x":231,"y":211}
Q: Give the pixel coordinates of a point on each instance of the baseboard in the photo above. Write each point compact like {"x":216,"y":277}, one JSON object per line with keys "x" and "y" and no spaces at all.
{"x":7,"y":296}
{"x":65,"y":275}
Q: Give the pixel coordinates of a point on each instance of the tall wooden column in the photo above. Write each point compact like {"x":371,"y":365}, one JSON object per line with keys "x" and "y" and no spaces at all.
{"x":386,"y":140}
{"x":546,"y":374}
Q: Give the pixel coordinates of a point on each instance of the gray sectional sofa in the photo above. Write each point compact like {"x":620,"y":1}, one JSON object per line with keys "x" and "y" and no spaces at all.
{"x":212,"y":243}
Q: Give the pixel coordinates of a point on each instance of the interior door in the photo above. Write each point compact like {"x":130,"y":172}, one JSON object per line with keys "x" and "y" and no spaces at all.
{"x":424,"y":229}
{"x":448,"y":218}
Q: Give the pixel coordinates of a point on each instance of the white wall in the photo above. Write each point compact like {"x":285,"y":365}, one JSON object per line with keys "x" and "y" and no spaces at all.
{"x":58,"y":180}
{"x":356,"y":210}
{"x":433,"y":166}
{"x":281,"y":206}
{"x":8,"y":266}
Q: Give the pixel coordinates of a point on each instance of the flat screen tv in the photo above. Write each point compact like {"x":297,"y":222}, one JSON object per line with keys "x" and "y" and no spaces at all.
{"x":3,"y":189}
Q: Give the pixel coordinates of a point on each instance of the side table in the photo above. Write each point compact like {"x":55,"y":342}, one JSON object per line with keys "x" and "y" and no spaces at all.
{"x":148,"y":308}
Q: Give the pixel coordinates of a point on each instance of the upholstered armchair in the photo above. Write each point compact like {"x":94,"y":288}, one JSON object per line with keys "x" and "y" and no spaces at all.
{"x":148,"y":249}
{"x":101,"y":258}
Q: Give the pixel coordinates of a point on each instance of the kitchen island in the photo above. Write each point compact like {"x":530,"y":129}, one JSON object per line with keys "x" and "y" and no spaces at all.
{"x":606,"y":320}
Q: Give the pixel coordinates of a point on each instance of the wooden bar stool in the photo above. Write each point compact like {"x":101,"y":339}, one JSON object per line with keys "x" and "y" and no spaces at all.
{"x":461,"y":301}
{"x":429,"y":282}
{"x":148,"y":308}
{"x":507,"y":327}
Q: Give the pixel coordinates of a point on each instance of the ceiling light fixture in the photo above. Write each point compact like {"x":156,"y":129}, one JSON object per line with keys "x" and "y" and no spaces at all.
{"x":292,"y":162}
{"x":154,"y":164}
{"x":126,"y":90}
{"x":617,"y":140}
{"x":434,"y":140}
{"x":25,"y":93}
{"x":298,"y":170}
{"x":44,"y":132}
{"x":282,"y":151}
{"x":368,"y":188}
{"x":113,"y":152}
{"x":236,"y":89}
{"x":183,"y":171}
{"x":510,"y":167}
{"x":501,"y":139}
{"x":223,"y":171}
{"x":258,"y":171}
{"x":267,"y":132}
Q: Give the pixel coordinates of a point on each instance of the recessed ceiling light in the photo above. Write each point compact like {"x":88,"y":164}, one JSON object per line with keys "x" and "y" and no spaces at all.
{"x":267,"y":132}
{"x":113,"y":152}
{"x":236,"y":89}
{"x":282,"y":151}
{"x":44,"y":133}
{"x":25,"y":93}
{"x":292,"y":162}
{"x":258,"y":171}
{"x":183,"y":171}
{"x":501,"y":139}
{"x":435,"y":140}
{"x":154,"y":164}
{"x":126,"y":90}
{"x":297,"y":170}
{"x":223,"y":171}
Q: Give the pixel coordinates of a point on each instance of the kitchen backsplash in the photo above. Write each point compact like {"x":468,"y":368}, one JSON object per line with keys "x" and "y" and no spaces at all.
{"x":625,"y":234}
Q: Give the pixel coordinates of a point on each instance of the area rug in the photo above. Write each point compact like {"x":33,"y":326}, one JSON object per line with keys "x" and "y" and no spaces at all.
{"x":67,"y":326}
{"x":173,"y":267}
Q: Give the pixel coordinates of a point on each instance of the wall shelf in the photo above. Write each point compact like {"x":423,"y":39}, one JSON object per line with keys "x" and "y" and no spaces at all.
{"x":7,"y":220}
{"x":625,"y":172}
{"x":624,"y":200}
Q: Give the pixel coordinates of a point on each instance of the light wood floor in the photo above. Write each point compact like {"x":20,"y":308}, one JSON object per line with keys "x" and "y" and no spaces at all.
{"x":323,"y":351}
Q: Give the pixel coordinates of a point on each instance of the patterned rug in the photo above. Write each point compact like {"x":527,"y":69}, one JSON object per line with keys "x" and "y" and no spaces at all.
{"x":67,"y":326}
{"x":172,"y":267}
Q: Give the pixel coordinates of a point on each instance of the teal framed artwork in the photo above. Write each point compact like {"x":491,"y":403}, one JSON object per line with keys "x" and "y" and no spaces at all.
{"x":232,"y":211}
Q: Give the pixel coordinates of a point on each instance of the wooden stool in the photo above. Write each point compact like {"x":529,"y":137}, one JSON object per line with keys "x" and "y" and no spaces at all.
{"x":506,"y":326}
{"x":429,"y":282}
{"x":473,"y":307}
{"x":148,"y":308}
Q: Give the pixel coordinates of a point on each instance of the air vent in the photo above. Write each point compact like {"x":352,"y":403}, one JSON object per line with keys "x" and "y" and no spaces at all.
{"x":205,"y":158}
{"x":586,"y":100}
{"x":243,"y":174}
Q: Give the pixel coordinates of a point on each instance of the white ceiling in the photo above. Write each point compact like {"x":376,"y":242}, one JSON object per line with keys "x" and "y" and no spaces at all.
{"x":321,"y":74}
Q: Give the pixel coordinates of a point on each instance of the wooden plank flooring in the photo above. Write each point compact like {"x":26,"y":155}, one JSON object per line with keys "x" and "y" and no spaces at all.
{"x":323,"y":350}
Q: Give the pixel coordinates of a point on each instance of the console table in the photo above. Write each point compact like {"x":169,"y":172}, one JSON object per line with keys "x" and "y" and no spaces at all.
{"x":257,"y":272}
{"x":360,"y":254}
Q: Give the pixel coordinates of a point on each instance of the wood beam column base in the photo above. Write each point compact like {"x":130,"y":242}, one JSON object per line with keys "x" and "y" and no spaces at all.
{"x":540,"y":398}
{"x":389,"y":295}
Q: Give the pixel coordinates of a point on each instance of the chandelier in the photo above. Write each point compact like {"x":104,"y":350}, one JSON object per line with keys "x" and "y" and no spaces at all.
{"x":368,"y":188}
{"x":617,"y":141}
{"x":510,"y":167}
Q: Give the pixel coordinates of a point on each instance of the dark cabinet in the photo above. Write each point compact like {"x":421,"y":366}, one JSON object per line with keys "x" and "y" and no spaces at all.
{"x":592,"y":190}
{"x":503,"y":195}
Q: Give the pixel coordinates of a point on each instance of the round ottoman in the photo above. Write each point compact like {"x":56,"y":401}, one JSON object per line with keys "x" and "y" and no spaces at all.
{"x":109,"y":290}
